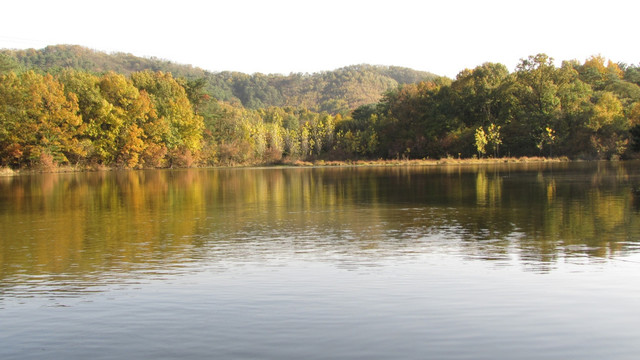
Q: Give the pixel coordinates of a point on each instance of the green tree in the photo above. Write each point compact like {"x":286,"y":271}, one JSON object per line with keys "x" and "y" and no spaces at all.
{"x":357,"y":135}
{"x":539,"y":104}
{"x":196,"y":92}
{"x":479,"y":98}
{"x":8,"y":64}
{"x":494,"y":138}
{"x":100,"y":128}
{"x":414,"y":117}
{"x":570,"y":135}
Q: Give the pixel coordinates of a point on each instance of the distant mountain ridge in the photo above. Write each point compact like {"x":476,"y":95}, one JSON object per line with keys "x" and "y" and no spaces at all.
{"x":332,"y":91}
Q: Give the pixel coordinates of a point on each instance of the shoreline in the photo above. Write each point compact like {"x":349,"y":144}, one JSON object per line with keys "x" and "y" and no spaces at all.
{"x":4,"y":171}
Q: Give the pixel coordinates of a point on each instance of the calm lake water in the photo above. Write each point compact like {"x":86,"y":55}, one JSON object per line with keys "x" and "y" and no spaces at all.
{"x":516,"y":261}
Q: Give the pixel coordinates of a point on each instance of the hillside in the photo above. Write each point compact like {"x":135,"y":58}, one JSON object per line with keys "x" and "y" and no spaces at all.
{"x":332,"y":91}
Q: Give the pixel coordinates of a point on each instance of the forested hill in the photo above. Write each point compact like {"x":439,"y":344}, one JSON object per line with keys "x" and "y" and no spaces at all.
{"x":74,"y":114}
{"x":332,"y":91}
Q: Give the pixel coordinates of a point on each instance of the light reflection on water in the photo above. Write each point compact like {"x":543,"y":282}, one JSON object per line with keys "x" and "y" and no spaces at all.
{"x":521,"y":262}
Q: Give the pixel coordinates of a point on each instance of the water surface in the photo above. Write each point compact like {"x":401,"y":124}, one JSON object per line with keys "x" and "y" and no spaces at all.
{"x":512,"y":261}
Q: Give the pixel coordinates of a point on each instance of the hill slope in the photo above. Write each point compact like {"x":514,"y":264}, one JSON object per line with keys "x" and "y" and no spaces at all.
{"x":332,"y":91}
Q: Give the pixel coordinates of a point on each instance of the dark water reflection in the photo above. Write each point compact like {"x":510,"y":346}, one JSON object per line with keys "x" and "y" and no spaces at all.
{"x":74,"y":235}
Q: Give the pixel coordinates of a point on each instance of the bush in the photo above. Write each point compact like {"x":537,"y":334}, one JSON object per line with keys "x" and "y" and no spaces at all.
{"x":46,"y":162}
{"x":181,"y":158}
{"x":154,"y":155}
{"x":272,"y":156}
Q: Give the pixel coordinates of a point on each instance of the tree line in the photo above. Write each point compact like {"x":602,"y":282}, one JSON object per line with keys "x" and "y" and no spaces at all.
{"x":587,"y":110}
{"x":150,"y":119}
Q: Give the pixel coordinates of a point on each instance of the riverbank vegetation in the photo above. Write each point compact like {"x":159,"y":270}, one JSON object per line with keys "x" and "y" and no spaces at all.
{"x":66,"y":116}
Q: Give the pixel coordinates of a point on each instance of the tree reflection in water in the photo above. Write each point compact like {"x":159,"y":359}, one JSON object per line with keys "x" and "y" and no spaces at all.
{"x":83,"y":231}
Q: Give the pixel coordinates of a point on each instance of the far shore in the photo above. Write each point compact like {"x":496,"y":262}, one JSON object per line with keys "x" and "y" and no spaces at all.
{"x":4,"y":171}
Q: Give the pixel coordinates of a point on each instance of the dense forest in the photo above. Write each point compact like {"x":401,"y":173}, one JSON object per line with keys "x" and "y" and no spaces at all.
{"x":334,"y":91}
{"x":70,"y":105}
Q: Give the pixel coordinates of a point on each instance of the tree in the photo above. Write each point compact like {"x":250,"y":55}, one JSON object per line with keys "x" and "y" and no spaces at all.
{"x":174,"y":112}
{"x":548,"y":137}
{"x":100,"y":127}
{"x":494,"y":138}
{"x":8,"y":64}
{"x":38,"y":121}
{"x":479,"y":94}
{"x":131,"y":128}
{"x":570,"y":135}
{"x":414,"y":117}
{"x":195,"y":90}
{"x":609,"y":126}
{"x":481,"y":141}
{"x":597,"y":74}
{"x":491,"y":137}
{"x":539,"y":105}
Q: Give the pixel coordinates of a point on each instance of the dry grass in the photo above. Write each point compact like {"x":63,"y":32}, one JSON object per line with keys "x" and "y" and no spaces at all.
{"x":425,"y":162}
{"x":6,"y":171}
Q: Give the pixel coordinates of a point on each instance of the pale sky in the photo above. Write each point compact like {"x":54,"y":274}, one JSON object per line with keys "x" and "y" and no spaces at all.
{"x":284,"y":36}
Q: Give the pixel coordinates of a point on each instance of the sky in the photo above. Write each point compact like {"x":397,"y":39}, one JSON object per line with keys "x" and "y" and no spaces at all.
{"x":285,"y":36}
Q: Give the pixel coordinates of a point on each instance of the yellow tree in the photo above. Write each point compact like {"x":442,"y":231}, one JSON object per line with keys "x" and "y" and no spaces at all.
{"x":100,"y":127}
{"x":39,"y":121}
{"x":184,"y":136}
{"x":129,"y":128}
{"x":597,"y":74}
{"x":481,"y":141}
{"x":608,"y":126}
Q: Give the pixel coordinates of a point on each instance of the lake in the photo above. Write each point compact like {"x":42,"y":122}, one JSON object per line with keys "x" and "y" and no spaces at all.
{"x":505,"y":261}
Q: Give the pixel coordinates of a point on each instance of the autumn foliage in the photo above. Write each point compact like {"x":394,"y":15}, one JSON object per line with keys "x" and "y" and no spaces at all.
{"x":150,"y":119}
